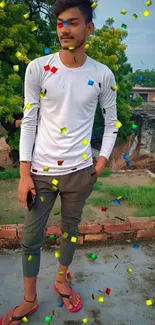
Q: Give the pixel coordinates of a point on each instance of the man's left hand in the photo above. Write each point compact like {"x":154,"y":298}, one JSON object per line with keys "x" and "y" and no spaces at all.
{"x":100,"y":165}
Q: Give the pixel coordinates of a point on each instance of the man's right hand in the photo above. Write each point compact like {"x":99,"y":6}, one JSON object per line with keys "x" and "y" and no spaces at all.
{"x":25,"y":184}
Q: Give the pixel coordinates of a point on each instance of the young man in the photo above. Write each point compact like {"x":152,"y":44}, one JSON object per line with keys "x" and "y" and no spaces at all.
{"x":64,"y":88}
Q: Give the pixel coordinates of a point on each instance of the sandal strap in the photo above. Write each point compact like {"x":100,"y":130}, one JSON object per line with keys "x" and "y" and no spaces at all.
{"x":66,"y":296}
{"x":16,"y":318}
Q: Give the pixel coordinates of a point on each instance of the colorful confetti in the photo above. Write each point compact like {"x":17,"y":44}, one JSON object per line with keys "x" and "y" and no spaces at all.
{"x":53,"y":237}
{"x":42,"y":198}
{"x":148,"y":3}
{"x":85,"y":142}
{"x":124,"y":26}
{"x":34,"y":28}
{"x":54,"y":70}
{"x":129,"y":270}
{"x":136,"y":246}
{"x":63,"y":130}
{"x":146,"y":13}
{"x":149,"y":302}
{"x":65,"y":235}
{"x":2,"y":4}
{"x":104,"y":209}
{"x":100,"y":299}
{"x":85,"y":320}
{"x":46,"y":169}
{"x":48,"y":319}
{"x":73,"y":239}
{"x":55,"y":182}
{"x":118,"y":124}
{"x":61,"y":273}
{"x":134,"y":16}
{"x":30,"y":258}
{"x":71,"y":47}
{"x":60,"y":304}
{"x":123,"y":12}
{"x":87,"y":46}
{"x":108,"y":290}
{"x":69,"y":276}
{"x":26,"y":16}
{"x":28,"y":106}
{"x":85,"y":156}
{"x":24,"y":319}
{"x":47,"y":50}
{"x":94,"y":5}
{"x":16,"y":68}
{"x":93,"y":256}
{"x":90,"y":82}
{"x":57,"y":254}
{"x":126,"y":156}
{"x":93,"y":296}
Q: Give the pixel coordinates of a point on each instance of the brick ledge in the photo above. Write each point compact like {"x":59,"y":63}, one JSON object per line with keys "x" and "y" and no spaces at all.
{"x":89,"y":231}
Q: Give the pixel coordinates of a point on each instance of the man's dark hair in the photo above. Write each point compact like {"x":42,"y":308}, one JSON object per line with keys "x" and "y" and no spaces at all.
{"x":83,"y":5}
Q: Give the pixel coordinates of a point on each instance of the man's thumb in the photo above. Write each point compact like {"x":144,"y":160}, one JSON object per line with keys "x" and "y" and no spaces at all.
{"x":33,"y":190}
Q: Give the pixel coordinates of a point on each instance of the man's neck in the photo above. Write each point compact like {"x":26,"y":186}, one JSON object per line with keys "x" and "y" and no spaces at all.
{"x":73,"y":59}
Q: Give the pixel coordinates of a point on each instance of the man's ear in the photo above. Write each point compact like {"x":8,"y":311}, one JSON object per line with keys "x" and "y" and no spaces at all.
{"x":90,"y":28}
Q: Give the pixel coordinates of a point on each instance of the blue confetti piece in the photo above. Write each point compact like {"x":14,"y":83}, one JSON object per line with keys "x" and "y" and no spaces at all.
{"x":141,"y":78}
{"x":128,"y":163}
{"x":60,"y":304}
{"x":133,"y":99}
{"x":65,"y":23}
{"x":90,"y":83}
{"x":126,"y":156}
{"x":136,"y":246}
{"x":47,"y":50}
{"x":116,"y":201}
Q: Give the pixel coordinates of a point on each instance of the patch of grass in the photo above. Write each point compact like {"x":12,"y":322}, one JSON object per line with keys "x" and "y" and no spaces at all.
{"x":153,"y":179}
{"x":98,"y":201}
{"x":107,"y":172}
{"x":10,"y":174}
{"x":149,"y":212}
{"x":141,"y":196}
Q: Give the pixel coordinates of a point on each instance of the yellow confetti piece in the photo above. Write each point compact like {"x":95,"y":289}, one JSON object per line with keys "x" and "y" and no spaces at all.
{"x":24,"y":319}
{"x":85,"y":156}
{"x":85,"y":142}
{"x":28,"y":106}
{"x":118,"y":124}
{"x":123,"y":12}
{"x":42,"y":95}
{"x":85,"y":320}
{"x":30,"y":258}
{"x":100,"y":299}
{"x":63,"y":130}
{"x":129,"y":270}
{"x":73,"y":239}
{"x":65,"y":235}
{"x":55,"y":182}
{"x":115,"y":87}
{"x":134,"y":16}
{"x":119,"y":197}
{"x":54,"y":188}
{"x":146,"y":13}
{"x":87,"y":46}
{"x":46,"y":169}
{"x":148,"y":3}
{"x":18,"y":54}
{"x":34,"y":28}
{"x":71,"y":47}
{"x":42,"y":198}
{"x":57,"y":254}
{"x":16,"y":68}
{"x":26,"y":16}
{"x":61,"y":273}
{"x":149,"y":302}
{"x":2,"y":4}
{"x":54,"y":312}
{"x":94,"y":5}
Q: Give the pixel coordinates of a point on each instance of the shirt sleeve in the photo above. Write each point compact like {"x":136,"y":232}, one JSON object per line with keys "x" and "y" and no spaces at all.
{"x":107,"y":100}
{"x":32,"y":87}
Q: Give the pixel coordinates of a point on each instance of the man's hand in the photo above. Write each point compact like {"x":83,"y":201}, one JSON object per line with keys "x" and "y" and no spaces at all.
{"x":18,"y":123}
{"x":100,"y":165}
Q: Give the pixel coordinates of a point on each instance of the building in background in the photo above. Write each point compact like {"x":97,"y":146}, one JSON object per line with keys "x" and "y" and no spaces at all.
{"x":148,"y":94}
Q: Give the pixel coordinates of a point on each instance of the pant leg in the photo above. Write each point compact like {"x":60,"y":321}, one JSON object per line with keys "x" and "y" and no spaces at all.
{"x":34,"y":224}
{"x":75,"y":188}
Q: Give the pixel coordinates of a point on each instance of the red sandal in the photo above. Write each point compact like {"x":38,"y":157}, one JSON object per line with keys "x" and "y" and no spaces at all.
{"x":17,"y":318}
{"x":70,"y":296}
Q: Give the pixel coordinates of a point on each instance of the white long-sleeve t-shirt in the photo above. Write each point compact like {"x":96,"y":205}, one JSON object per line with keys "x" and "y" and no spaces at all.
{"x":59,"y":110}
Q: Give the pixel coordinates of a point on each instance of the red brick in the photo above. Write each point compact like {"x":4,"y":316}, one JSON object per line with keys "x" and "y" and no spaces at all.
{"x":10,"y":244}
{"x":116,"y":226}
{"x":123,"y":235}
{"x":149,"y":233}
{"x":20,"y":231}
{"x":141,"y":223}
{"x":8,"y":231}
{"x":53,"y":230}
{"x":80,"y":240}
{"x":96,"y":237}
{"x":90,"y":229}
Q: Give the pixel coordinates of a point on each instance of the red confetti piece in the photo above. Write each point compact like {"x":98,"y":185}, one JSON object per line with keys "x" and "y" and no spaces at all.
{"x":60,"y":25}
{"x":104,"y":209}
{"x":69,"y":276}
{"x":108,"y":291}
{"x":34,"y":170}
{"x":93,"y":174}
{"x":54,"y":70}
{"x":47,"y":67}
{"x":60,"y":162}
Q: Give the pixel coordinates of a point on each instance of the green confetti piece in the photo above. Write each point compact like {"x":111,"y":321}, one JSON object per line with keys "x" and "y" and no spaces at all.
{"x":53,"y":237}
{"x":48,"y":319}
{"x":93,"y":256}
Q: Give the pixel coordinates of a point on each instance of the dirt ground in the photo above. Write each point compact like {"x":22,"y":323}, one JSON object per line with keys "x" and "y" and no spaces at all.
{"x":11,"y":211}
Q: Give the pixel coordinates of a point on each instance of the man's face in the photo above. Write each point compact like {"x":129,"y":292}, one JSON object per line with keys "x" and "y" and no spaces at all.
{"x":76,"y":31}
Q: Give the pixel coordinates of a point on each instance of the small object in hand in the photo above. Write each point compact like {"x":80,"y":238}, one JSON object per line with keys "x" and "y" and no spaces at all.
{"x":108,"y":290}
{"x":104,"y":209}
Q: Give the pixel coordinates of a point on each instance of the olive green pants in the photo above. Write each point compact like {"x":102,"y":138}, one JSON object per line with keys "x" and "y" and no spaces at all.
{"x":73,"y":189}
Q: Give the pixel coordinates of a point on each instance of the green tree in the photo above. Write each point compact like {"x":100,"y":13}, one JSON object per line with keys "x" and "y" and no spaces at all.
{"x":16,"y":35}
{"x":144,"y":78}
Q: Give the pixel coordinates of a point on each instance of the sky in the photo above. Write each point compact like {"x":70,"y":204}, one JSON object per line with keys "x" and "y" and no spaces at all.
{"x":141,"y":31}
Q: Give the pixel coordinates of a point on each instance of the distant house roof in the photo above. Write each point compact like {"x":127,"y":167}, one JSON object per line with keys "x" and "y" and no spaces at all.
{"x":143,"y":89}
